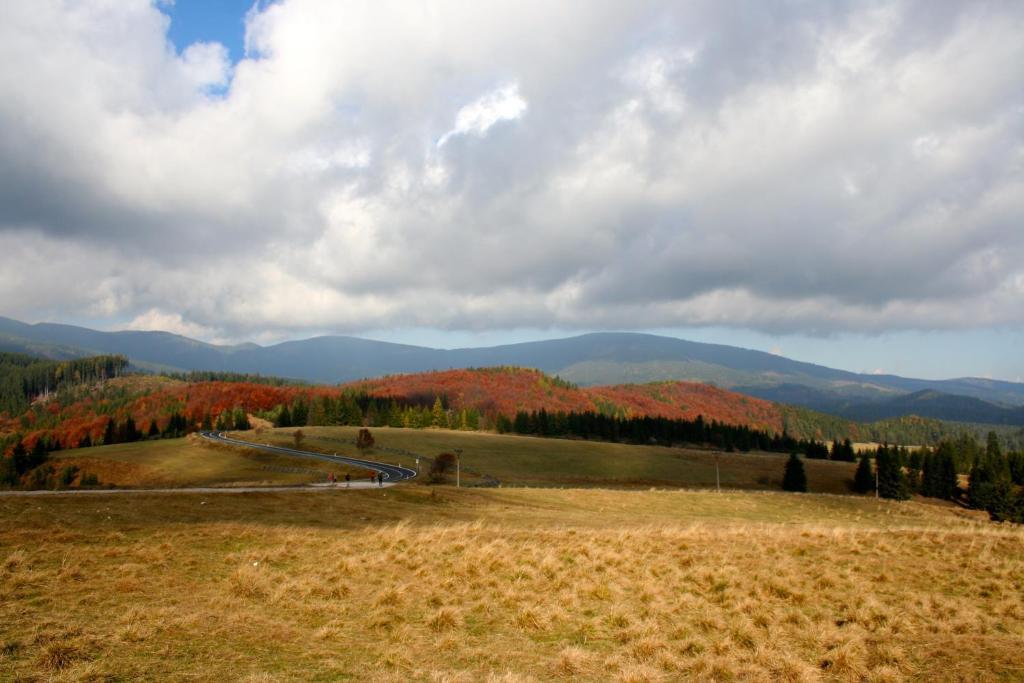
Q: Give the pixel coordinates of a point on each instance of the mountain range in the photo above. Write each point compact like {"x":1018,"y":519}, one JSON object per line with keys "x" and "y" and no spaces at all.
{"x":589,"y":359}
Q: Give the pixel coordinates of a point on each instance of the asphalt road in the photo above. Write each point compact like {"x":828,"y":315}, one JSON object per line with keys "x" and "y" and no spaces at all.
{"x":392,"y":473}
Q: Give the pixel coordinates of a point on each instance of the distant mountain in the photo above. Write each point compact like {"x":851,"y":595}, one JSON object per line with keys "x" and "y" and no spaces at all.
{"x":937,"y":405}
{"x":590,"y":359}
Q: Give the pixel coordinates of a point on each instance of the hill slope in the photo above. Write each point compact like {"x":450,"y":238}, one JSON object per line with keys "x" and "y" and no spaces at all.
{"x":591,"y":359}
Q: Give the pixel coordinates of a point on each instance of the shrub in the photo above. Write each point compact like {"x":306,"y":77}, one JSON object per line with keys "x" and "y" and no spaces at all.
{"x":67,"y":476}
{"x":442,"y":465}
{"x":364,"y":440}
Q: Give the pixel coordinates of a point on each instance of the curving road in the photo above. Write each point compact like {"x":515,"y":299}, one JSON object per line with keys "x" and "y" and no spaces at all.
{"x":392,"y":473}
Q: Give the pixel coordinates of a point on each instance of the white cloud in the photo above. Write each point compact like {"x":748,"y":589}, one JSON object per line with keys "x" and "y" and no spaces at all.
{"x":155,"y":319}
{"x":207,"y":65}
{"x":619,"y":165}
{"x":477,"y":117}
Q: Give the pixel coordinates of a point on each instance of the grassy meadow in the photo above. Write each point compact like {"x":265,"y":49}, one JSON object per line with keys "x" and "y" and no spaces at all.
{"x":438,"y":584}
{"x":193,"y":461}
{"x":532,"y":461}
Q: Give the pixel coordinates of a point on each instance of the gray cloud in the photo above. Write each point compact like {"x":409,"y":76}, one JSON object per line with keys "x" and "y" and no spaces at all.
{"x":780,"y":166}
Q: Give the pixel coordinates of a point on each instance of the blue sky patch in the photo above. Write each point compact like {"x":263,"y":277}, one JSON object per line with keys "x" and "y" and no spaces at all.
{"x":221,"y":21}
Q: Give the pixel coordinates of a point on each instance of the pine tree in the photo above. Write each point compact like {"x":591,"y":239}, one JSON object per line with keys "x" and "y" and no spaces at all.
{"x":794,"y":479}
{"x":990,"y":487}
{"x":241,"y":421}
{"x":892,"y":483}
{"x":207,"y":422}
{"x":153,"y":432}
{"x":438,"y":417}
{"x":864,"y":478}
{"x":395,"y":415}
{"x":108,"y":432}
{"x":8,"y":472}
{"x":352,"y":414}
{"x":372,"y":414}
{"x":300,"y":414}
{"x":128,"y":431}
{"x":848,"y":453}
{"x":947,"y":480}
{"x":284,"y":417}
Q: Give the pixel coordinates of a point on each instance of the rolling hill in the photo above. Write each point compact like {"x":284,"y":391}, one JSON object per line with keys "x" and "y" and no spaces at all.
{"x":588,"y":360}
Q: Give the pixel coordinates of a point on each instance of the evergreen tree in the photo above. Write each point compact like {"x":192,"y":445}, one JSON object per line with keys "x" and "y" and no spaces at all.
{"x":153,"y":432}
{"x":373,"y":415}
{"x":438,"y":417}
{"x":284,"y":417}
{"x":849,"y":455}
{"x":992,"y":449}
{"x":990,"y":487}
{"x":892,"y":483}
{"x":395,"y":415}
{"x":8,"y":473}
{"x":108,"y":432}
{"x":300,"y":414}
{"x":207,"y":422}
{"x":815,"y":450}
{"x":351,"y":413}
{"x":864,"y":478}
{"x":128,"y":432}
{"x":794,"y":479}
{"x":241,"y":421}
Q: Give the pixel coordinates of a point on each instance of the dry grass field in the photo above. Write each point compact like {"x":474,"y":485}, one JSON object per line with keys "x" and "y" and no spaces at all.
{"x":421,"y":584}
{"x":531,"y":461}
{"x":193,"y":462}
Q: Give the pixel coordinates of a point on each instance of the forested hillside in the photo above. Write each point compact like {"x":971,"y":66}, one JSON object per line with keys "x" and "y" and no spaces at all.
{"x":599,"y":359}
{"x":70,"y":409}
{"x":24,"y":378}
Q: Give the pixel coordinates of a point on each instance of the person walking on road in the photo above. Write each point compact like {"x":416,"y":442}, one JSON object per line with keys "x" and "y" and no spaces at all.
{"x":348,"y":479}
{"x":380,"y":479}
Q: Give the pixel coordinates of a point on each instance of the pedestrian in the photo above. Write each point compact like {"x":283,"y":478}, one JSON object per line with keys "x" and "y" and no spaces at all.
{"x":380,"y":479}
{"x":330,"y":477}
{"x":348,"y":478}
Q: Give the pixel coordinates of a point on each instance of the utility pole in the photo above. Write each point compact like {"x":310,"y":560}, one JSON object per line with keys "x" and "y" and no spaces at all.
{"x":718,"y":478}
{"x":458,"y":467}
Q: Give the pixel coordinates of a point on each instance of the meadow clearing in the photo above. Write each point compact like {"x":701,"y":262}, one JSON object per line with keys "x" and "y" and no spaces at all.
{"x":532,"y":461}
{"x":439,"y":584}
{"x":192,"y":461}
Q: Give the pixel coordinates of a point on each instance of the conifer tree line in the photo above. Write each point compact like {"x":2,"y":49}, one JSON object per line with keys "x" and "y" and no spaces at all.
{"x":362,"y":410}
{"x":24,"y":378}
{"x":234,"y":377}
{"x":659,"y":431}
{"x":995,"y":479}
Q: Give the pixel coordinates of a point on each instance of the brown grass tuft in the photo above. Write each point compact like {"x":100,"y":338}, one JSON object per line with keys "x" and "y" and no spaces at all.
{"x":445,"y":619}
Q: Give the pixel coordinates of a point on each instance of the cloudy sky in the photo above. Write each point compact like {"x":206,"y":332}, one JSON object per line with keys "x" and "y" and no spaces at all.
{"x":838,"y":182}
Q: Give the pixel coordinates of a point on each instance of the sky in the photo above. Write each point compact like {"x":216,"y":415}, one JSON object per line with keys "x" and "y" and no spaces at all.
{"x":836,"y":182}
